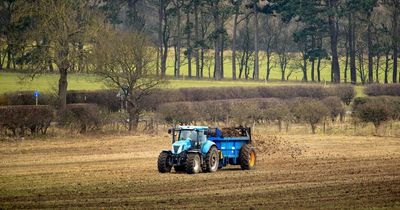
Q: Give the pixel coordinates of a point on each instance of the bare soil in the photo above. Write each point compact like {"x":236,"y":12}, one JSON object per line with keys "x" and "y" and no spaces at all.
{"x":293,"y":171}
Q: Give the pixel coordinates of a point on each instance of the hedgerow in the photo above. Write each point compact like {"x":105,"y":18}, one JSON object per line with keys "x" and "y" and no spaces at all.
{"x":81,"y":117}
{"x":23,"y":119}
{"x":382,"y":89}
{"x":250,"y":111}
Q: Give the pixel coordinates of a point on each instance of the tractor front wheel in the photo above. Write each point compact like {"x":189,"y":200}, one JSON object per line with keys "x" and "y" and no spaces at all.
{"x":193,"y":163}
{"x":212,"y":160}
{"x":247,"y":157}
{"x":163,"y":163}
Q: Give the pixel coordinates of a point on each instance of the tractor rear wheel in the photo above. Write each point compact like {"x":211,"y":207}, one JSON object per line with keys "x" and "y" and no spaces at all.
{"x":163,"y":164}
{"x":247,"y":157}
{"x":212,"y":160}
{"x":193,"y":164}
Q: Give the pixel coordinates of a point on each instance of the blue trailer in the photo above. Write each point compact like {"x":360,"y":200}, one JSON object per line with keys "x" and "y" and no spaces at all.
{"x":201,"y":148}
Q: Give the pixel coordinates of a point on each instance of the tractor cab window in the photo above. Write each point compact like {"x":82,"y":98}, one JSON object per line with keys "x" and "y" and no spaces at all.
{"x":185,"y":134}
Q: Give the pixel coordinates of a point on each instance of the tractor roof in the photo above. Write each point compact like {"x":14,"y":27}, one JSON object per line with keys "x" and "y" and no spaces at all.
{"x":194,"y":127}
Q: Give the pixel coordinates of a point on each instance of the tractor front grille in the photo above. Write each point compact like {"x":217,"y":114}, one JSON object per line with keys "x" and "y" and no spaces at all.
{"x":176,"y":148}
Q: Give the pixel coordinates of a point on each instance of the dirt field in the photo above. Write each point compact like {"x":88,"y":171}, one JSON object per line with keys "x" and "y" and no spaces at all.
{"x":293,"y":171}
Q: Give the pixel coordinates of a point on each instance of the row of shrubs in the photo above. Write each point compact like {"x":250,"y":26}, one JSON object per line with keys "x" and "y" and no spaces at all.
{"x":250,"y":111}
{"x":344,"y":92}
{"x":19,"y":119}
{"x":382,"y":89}
{"x":110,"y":100}
{"x":103,"y":98}
{"x":23,"y":120}
{"x":377,"y":109}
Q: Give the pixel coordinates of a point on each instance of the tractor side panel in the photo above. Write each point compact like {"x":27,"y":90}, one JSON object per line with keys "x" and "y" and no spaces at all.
{"x":230,"y":148}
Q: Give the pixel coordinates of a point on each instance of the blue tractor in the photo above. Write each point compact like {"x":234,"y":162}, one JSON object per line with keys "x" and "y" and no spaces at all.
{"x":201,"y":148}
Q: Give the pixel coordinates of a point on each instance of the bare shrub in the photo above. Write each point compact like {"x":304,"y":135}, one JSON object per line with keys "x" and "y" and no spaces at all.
{"x":177,"y":113}
{"x":81,"y":117}
{"x":244,"y":112}
{"x":334,"y":105}
{"x":277,"y":111}
{"x":309,"y":111}
{"x":373,"y":111}
{"x":345,"y":92}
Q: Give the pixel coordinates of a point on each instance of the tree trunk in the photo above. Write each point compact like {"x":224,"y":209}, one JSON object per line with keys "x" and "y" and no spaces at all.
{"x":164,"y":57}
{"x":1,"y":61}
{"x":333,"y":29}
{"x":63,"y":67}
{"x":395,"y":39}
{"x":8,"y":66}
{"x":256,"y":61}
{"x":62,"y":88}
{"x":160,"y":33}
{"x":189,"y":47}
{"x":268,"y":64}
{"x":235,"y":23}
{"x":305,"y":78}
{"x":178,"y":44}
{"x":386,"y":66}
{"x":377,"y":68}
{"x":352,"y":41}
{"x":361,"y":66}
{"x":133,"y":118}
{"x":312,"y":70}
{"x":202,"y":62}
{"x":158,"y":62}
{"x":319,"y":69}
{"x":370,"y":59}
{"x":217,"y":58}
{"x":196,"y":34}
{"x":222,"y":57}
{"x":313,"y":59}
{"x":347,"y":59}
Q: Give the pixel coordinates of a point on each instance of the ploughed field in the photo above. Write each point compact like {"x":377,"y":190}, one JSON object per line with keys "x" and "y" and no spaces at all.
{"x":293,"y":171}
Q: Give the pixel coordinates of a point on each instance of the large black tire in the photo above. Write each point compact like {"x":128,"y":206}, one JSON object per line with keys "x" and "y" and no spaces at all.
{"x":247,"y":157}
{"x":162,"y":163}
{"x":212,"y":160}
{"x":193,"y":164}
{"x":181,"y":168}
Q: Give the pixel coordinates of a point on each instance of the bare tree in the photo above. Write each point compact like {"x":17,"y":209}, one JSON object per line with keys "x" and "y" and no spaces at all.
{"x":126,"y":61}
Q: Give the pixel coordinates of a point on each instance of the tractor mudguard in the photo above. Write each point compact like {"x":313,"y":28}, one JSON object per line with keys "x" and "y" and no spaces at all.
{"x":206,"y":146}
{"x":167,"y":151}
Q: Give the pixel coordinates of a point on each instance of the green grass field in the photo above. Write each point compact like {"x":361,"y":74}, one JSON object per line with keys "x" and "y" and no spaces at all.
{"x":12,"y":82}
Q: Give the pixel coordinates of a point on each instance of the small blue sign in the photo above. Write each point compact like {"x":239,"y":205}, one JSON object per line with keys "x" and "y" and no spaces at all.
{"x":36,"y":94}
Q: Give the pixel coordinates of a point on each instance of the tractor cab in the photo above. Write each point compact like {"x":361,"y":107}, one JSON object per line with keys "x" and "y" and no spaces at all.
{"x":188,"y":137}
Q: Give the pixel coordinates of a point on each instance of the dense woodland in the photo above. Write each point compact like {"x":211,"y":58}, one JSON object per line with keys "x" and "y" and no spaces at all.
{"x":360,"y":39}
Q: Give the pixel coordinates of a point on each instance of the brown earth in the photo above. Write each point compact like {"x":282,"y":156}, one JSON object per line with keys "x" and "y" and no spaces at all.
{"x":293,"y":171}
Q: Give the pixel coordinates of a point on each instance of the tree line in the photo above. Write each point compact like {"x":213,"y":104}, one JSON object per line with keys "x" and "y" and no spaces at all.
{"x":202,"y":31}
{"x":68,"y":36}
{"x":205,"y":34}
